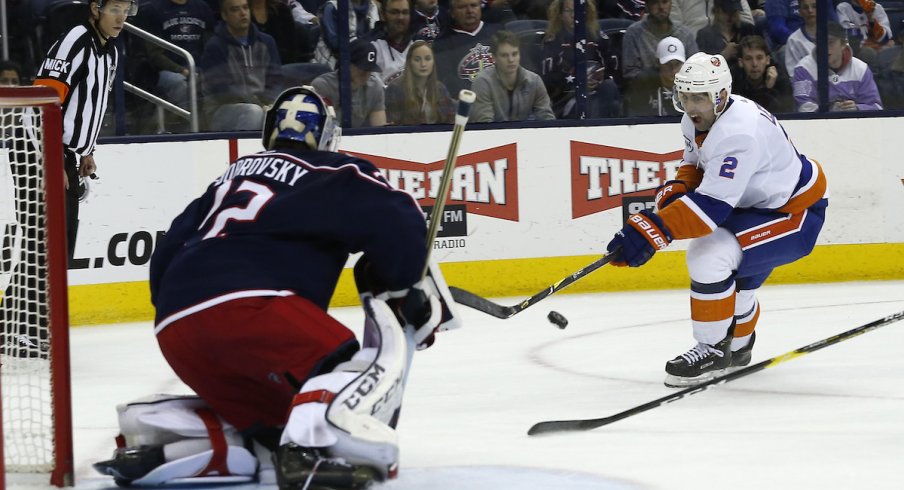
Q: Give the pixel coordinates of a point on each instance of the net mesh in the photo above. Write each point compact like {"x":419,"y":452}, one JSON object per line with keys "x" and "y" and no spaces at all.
{"x":24,"y":324}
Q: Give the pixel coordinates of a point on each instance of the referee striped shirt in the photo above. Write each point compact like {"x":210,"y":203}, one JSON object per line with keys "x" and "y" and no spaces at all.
{"x":81,"y":69}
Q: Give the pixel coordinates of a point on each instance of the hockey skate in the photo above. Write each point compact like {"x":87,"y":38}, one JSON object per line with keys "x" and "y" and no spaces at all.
{"x":742,"y":356}
{"x":131,"y":463}
{"x":300,"y":468}
{"x":702,"y":363}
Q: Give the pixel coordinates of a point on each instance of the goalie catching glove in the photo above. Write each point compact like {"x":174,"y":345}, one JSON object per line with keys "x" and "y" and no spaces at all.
{"x":426,"y":306}
{"x":643,"y":234}
{"x":421,"y":309}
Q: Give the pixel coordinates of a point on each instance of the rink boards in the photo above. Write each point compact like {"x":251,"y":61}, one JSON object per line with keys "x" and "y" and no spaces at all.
{"x":527,"y":206}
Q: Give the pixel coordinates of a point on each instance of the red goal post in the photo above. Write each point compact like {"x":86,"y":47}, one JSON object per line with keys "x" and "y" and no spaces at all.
{"x":36,"y":428}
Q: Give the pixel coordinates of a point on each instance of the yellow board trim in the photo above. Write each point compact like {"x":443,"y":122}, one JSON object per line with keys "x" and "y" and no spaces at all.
{"x":130,"y":301}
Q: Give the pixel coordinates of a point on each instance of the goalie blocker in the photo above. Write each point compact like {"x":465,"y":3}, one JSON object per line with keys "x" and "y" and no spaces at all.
{"x":340,"y":431}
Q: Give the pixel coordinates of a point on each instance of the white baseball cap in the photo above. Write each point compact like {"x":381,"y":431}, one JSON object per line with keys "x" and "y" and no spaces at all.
{"x":670,"y":48}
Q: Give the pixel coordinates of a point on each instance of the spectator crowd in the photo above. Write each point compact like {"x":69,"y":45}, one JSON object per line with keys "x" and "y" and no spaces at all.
{"x":408,"y":59}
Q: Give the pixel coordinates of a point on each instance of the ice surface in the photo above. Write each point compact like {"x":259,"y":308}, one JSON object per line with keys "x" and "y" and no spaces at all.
{"x":833,"y":419}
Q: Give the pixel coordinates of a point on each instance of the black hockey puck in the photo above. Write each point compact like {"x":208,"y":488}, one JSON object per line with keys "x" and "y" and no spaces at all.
{"x":557,"y":319}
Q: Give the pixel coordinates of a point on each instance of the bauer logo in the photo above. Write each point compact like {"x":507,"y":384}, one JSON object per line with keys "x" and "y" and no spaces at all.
{"x":486,"y":182}
{"x":602,"y":176}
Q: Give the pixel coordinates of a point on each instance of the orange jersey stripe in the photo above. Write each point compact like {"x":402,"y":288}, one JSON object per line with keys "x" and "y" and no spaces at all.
{"x":809,"y":196}
{"x":690,"y":175}
{"x":61,"y":88}
{"x":682,"y":222}
{"x":712,"y":310}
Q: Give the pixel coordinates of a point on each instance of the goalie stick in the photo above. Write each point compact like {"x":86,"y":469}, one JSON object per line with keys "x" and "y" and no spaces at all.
{"x":588,"y":424}
{"x":484,"y":305}
{"x":465,"y":99}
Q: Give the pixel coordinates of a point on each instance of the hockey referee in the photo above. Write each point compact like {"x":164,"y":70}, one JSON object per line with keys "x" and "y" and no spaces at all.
{"x":80,"y":66}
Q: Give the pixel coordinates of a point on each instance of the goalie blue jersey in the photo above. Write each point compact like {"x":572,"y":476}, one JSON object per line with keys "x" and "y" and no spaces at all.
{"x":285,"y":222}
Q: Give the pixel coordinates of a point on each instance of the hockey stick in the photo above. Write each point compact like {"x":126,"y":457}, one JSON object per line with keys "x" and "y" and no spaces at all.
{"x":588,"y":424}
{"x":465,"y":99}
{"x":480,"y":303}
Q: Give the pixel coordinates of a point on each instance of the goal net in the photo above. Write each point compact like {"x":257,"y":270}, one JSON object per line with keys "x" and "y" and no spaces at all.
{"x":34,"y":341}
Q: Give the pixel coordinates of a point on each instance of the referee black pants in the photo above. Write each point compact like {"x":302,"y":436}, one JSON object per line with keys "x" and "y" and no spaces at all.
{"x":71,"y":166}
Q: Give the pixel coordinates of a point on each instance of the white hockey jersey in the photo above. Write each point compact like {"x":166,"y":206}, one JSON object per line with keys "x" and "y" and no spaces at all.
{"x":746,"y":160}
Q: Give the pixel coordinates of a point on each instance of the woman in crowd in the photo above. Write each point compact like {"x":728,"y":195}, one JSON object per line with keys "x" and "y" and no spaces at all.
{"x":417,"y":96}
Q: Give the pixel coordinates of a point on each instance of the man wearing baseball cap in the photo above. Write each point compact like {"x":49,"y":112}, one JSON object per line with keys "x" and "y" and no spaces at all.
{"x":368,"y":105}
{"x":641,"y":38}
{"x":651,"y":93}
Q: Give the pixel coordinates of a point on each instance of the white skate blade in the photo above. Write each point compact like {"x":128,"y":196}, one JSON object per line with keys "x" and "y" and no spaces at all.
{"x":673,"y":381}
{"x":684,"y":382}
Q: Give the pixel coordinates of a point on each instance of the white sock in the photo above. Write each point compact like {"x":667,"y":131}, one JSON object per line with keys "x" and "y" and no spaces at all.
{"x":738,"y":343}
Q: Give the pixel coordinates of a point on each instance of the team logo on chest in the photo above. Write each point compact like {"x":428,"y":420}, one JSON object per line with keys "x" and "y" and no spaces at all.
{"x":474,"y":62}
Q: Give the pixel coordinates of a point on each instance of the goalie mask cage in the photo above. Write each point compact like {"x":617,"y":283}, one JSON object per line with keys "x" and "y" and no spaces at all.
{"x":34,"y":338}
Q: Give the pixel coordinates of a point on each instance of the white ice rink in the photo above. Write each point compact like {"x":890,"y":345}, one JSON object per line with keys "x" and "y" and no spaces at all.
{"x":833,"y":419}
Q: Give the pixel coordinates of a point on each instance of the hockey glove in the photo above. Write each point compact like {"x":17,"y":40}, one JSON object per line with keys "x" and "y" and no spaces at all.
{"x":669,"y":192}
{"x":427,"y":305}
{"x":643,"y":234}
{"x":868,"y":6}
{"x":421,"y":309}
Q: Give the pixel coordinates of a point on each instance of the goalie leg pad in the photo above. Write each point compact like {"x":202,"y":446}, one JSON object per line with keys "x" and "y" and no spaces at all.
{"x":350,"y":412}
{"x":177,"y":440}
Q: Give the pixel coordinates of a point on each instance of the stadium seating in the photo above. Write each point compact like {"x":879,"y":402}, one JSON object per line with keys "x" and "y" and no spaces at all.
{"x":522,"y":25}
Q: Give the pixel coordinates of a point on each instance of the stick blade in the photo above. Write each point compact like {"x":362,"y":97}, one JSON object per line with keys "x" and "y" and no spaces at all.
{"x":553,"y":426}
{"x":471,"y":300}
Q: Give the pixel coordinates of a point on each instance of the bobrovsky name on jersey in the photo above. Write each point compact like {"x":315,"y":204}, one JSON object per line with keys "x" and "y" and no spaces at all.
{"x":606,"y":177}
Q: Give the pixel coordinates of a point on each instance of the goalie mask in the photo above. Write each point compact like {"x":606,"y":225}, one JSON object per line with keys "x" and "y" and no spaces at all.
{"x":706,"y":74}
{"x":300,"y":114}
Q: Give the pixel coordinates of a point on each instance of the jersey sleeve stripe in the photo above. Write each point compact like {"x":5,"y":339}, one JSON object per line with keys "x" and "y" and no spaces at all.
{"x":72,"y":43}
{"x":684,"y":219}
{"x":61,"y":88}
{"x":811,"y":189}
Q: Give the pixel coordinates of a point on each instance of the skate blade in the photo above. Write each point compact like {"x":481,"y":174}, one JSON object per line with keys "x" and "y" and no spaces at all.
{"x":684,"y":382}
{"x":672,"y":381}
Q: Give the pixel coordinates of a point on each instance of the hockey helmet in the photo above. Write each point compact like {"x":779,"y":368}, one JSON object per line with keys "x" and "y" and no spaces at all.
{"x":133,"y":6}
{"x":703,"y":73}
{"x":300,"y":114}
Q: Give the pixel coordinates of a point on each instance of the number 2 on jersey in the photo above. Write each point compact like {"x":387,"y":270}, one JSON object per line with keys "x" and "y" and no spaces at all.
{"x":728,"y":167}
